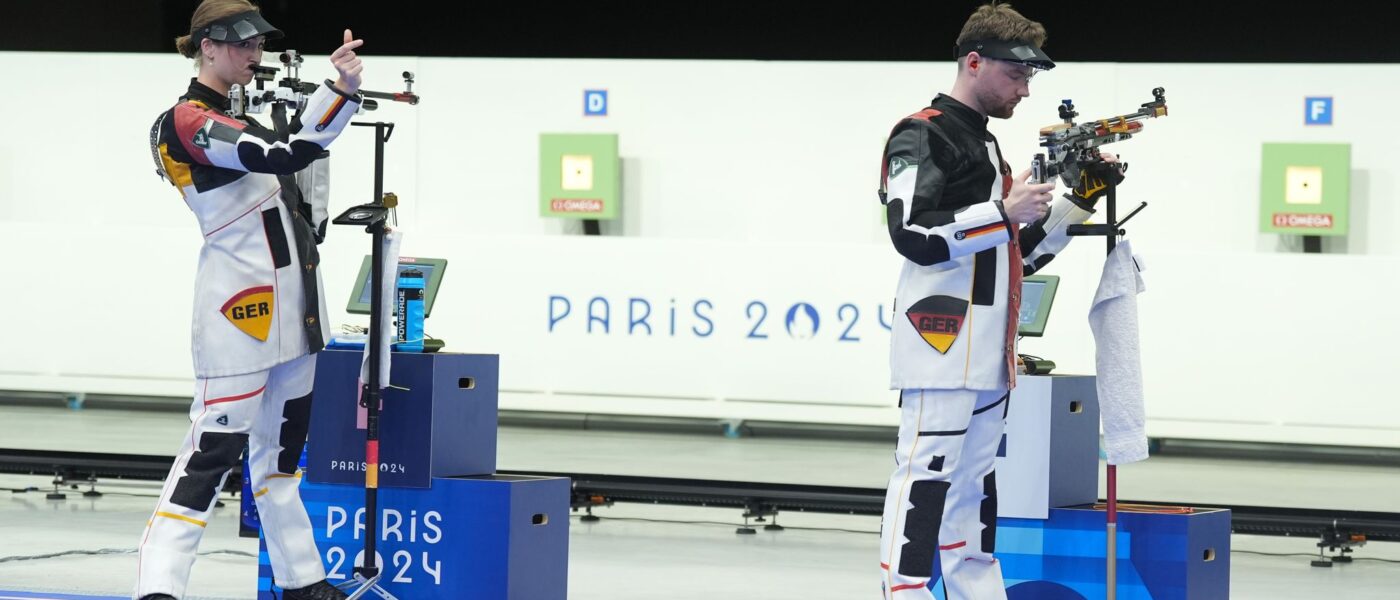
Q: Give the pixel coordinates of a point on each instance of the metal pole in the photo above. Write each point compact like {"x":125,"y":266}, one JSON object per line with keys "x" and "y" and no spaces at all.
{"x":1111,"y":529}
{"x":1111,"y":576}
{"x":371,"y":393}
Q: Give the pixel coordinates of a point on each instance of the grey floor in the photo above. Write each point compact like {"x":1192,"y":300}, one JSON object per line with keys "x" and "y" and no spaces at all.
{"x":638,"y":547}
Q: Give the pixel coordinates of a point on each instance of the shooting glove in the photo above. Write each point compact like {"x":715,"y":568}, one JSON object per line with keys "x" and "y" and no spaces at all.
{"x":1093,"y":183}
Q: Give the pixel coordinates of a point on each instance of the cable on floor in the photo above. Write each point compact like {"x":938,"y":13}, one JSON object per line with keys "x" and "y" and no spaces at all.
{"x":105,"y":551}
{"x":723,"y":524}
{"x":837,"y":529}
{"x":130,"y":495}
{"x":1312,"y":555}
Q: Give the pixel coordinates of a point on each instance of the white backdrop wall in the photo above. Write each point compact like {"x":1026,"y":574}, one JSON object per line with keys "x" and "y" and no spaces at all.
{"x":748,"y":189}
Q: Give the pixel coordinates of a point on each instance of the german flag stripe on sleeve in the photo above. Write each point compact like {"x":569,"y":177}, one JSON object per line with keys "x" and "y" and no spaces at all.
{"x":983,"y":230}
{"x":331,"y":113}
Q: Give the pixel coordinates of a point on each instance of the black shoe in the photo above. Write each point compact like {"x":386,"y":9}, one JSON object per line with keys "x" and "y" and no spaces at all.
{"x":157,"y":597}
{"x":316,"y":591}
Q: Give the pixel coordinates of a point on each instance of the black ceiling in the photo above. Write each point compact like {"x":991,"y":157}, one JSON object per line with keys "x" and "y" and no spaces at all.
{"x":888,"y":30}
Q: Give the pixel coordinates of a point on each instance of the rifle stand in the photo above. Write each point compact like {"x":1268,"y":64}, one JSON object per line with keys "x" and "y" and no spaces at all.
{"x":1112,"y":229}
{"x":371,"y":217}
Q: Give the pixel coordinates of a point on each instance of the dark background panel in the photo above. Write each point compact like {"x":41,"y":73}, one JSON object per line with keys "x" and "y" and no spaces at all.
{"x":888,"y":30}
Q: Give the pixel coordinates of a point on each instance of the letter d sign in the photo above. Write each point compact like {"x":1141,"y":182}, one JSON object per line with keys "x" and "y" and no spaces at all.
{"x":1317,"y":110}
{"x":595,"y":103}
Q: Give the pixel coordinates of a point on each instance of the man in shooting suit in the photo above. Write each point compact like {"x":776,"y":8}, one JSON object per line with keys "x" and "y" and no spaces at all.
{"x":258,"y":313}
{"x":969,"y":232}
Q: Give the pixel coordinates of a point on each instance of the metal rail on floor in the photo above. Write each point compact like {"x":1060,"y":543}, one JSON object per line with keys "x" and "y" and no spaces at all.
{"x":757,"y":500}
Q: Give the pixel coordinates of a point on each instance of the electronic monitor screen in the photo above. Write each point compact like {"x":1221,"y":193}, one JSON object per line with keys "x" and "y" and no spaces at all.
{"x":432,"y":269}
{"x":1037,"y":295}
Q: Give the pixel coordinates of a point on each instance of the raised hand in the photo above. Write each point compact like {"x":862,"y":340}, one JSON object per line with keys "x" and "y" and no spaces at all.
{"x":348,"y":64}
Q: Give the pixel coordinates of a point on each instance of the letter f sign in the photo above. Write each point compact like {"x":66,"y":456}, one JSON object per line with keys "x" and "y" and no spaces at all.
{"x":1317,"y":110}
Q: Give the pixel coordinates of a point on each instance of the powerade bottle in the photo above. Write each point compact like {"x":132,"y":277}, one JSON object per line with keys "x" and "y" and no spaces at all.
{"x":409,"y":307}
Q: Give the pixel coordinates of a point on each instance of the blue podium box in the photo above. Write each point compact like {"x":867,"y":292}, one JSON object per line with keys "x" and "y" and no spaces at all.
{"x":464,"y":538}
{"x":1161,"y":556}
{"x":441,"y":424}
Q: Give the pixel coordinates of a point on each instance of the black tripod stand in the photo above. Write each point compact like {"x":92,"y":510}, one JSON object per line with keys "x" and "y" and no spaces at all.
{"x":371,"y":216}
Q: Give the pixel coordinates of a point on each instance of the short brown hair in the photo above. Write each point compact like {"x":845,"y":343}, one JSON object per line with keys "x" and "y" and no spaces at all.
{"x":998,"y":21}
{"x":208,"y":12}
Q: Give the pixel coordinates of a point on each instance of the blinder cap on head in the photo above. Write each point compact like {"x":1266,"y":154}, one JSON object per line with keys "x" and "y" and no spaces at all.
{"x":1008,"y":50}
{"x":237,"y":28}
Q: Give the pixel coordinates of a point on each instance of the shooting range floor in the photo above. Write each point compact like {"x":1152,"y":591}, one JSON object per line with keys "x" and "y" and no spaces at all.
{"x":637,"y":549}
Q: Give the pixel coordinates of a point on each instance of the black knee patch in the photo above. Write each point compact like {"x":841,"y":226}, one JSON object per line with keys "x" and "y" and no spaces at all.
{"x":989,"y":512}
{"x":921,"y":525}
{"x":205,"y":471}
{"x":292,"y":439}
{"x":936,"y":465}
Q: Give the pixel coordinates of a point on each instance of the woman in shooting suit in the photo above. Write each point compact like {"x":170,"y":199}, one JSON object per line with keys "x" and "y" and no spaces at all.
{"x":259,"y":317}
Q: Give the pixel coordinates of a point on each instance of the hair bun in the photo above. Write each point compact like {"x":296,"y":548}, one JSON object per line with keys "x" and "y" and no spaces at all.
{"x":184,"y":47}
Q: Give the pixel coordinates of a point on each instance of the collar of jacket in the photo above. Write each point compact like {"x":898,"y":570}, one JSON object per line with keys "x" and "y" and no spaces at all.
{"x":207,"y":95}
{"x":961,"y":112}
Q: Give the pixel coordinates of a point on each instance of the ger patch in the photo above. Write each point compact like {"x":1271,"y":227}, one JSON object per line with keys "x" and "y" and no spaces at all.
{"x":938,"y":319}
{"x":251,"y":311}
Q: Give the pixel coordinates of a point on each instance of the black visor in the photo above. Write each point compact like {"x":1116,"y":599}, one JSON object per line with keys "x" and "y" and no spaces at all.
{"x":237,"y":28}
{"x":1013,"y":51}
